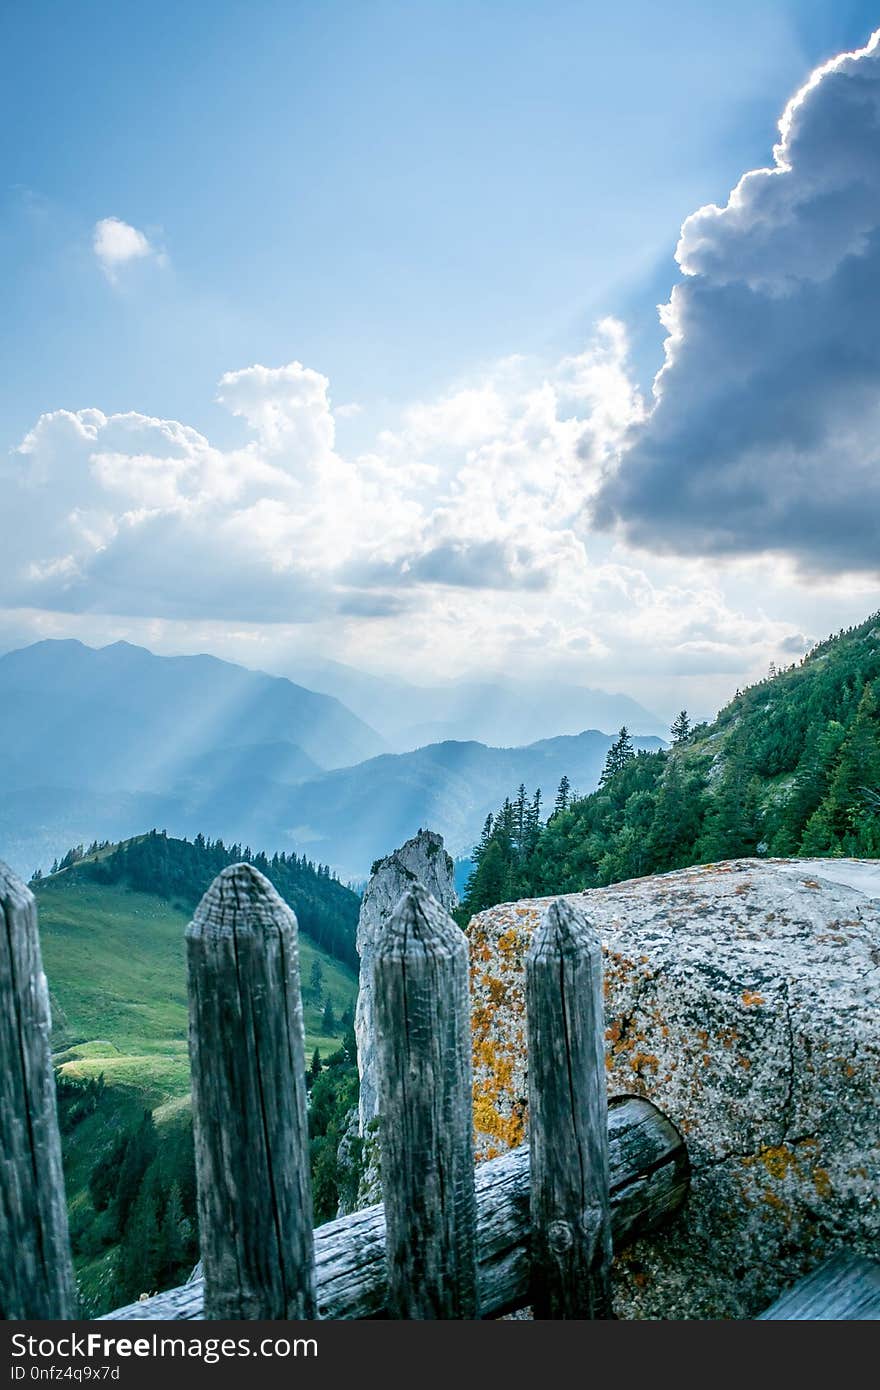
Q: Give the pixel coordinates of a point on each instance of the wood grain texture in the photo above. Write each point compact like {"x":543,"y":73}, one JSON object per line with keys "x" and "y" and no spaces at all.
{"x":568,"y":1118}
{"x":845,"y":1288}
{"x":249,"y":1101}
{"x":36,"y":1275}
{"x":649,"y":1175}
{"x":423,"y":1069}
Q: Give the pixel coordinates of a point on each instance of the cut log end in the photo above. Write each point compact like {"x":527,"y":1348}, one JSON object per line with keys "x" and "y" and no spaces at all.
{"x":419,"y":927}
{"x":240,"y":902}
{"x":565,"y":931}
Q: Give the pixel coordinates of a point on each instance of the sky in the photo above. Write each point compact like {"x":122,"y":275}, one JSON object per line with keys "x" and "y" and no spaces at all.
{"x":443,"y":338}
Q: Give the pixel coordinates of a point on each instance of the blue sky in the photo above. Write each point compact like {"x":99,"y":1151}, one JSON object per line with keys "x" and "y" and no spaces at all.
{"x":401,"y":197}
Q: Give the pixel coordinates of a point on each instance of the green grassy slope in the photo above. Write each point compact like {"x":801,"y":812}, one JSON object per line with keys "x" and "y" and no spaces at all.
{"x":114,"y":960}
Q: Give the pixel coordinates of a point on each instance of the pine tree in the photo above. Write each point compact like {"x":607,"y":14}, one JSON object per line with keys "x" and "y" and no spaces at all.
{"x":731,"y":827}
{"x":681,"y":728}
{"x":172,"y":1237}
{"x":139,"y":1259}
{"x":316,"y":1063}
{"x":858,"y":768}
{"x":619,"y":754}
{"x":328,"y":1020}
{"x":140,"y":1150}
{"x":316,"y":981}
{"x":563,"y":796}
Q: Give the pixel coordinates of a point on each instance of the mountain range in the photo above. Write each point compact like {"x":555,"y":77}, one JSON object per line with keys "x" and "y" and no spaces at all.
{"x":503,"y":712}
{"x":106,"y":743}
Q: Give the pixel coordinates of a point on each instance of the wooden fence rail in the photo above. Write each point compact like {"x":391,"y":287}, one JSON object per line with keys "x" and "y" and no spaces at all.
{"x":536,"y":1224}
{"x":649,"y":1175}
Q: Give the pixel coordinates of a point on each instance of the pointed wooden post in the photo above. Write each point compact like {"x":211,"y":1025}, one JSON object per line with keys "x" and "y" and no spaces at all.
{"x":36,"y":1273}
{"x":568,"y":1118}
{"x":249,"y":1101}
{"x":423,"y":1066}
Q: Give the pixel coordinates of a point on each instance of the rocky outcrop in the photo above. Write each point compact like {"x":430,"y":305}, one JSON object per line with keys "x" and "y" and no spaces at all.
{"x":744,"y":1000}
{"x":421,"y":859}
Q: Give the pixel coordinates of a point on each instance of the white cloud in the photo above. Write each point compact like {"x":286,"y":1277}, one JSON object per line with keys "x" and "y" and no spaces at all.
{"x":458,"y":540}
{"x":116,"y":244}
{"x":480,"y":489}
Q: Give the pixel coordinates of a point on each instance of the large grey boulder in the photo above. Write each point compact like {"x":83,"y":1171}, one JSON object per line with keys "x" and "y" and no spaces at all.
{"x":744,"y":1000}
{"x":421,"y":859}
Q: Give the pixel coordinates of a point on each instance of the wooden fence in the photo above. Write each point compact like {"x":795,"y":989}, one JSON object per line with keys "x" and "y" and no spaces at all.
{"x":450,"y":1241}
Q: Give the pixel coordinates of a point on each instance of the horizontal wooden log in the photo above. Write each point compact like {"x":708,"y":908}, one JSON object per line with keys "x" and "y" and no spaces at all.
{"x":649,"y":1180}
{"x":845,"y":1288}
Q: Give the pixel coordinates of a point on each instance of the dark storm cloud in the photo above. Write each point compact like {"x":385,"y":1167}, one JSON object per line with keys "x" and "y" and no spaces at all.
{"x":765,"y":435}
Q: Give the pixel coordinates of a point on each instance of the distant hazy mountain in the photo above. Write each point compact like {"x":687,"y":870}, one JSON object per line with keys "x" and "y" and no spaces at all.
{"x":353,"y":816}
{"x":122,"y":719}
{"x":499,"y":712}
{"x":107,"y":744}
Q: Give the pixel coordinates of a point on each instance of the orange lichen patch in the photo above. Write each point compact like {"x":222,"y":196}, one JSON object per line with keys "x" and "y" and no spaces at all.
{"x":810,"y":883}
{"x":822,"y":1182}
{"x":491,"y":1123}
{"x":750,"y":998}
{"x":507,"y":941}
{"x":849,"y":1069}
{"x":644,"y":1059}
{"x":481,"y":1020}
{"x":778,"y":1159}
{"x":727,"y":1036}
{"x":497,"y":992}
{"x":706,"y":1059}
{"x":778,"y":1205}
{"x":744,"y":1062}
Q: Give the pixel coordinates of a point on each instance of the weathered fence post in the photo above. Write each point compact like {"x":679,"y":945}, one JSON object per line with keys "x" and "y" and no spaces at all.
{"x":249,"y":1101}
{"x":568,"y":1119}
{"x":423,"y":1056}
{"x":36,"y":1275}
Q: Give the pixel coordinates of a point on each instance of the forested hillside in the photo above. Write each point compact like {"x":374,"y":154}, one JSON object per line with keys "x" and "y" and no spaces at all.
{"x":180,"y":870}
{"x":790,"y":766}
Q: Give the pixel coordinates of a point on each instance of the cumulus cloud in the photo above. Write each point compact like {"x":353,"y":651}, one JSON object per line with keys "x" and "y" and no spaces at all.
{"x":458,"y":537}
{"x":116,"y":243}
{"x":765,"y":431}
{"x":477,"y":490}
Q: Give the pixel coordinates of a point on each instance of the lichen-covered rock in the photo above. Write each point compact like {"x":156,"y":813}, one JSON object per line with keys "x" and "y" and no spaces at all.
{"x":422,"y":858}
{"x":744,"y":1000}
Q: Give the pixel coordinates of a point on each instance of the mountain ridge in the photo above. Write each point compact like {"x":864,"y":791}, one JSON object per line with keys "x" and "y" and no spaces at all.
{"x":100,"y":743}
